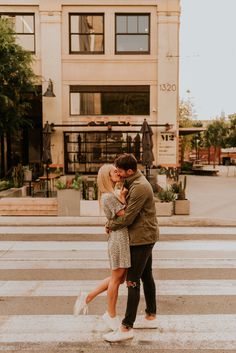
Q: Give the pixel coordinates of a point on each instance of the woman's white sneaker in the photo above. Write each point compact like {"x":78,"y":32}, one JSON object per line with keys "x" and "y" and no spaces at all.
{"x":112,"y":322}
{"x":118,"y":335}
{"x":81,"y":307}
{"x":144,"y":323}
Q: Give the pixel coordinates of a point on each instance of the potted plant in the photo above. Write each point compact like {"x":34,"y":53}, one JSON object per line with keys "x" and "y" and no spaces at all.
{"x":181,"y":204}
{"x":68,"y":195}
{"x":165,"y":202}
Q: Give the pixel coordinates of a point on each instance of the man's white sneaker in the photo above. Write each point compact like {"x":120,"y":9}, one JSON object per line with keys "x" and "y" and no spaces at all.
{"x":118,"y":335}
{"x":144,"y":323}
{"x":81,"y":307}
{"x":112,"y":322}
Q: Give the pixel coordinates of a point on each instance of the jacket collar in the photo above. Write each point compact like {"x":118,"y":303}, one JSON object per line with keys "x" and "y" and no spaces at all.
{"x":128,"y":181}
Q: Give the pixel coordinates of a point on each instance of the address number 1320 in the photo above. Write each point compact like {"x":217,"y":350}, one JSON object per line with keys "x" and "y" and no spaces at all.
{"x":168,"y":87}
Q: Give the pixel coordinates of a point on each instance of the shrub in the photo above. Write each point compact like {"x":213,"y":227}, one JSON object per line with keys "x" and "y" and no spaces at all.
{"x":166,"y":195}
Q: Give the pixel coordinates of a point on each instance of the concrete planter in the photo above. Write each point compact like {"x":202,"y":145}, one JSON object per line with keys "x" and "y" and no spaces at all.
{"x":164,"y":208}
{"x":182,"y":207}
{"x":68,"y":202}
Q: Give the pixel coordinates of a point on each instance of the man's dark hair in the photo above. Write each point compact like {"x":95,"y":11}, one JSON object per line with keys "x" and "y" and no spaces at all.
{"x":126,"y":161}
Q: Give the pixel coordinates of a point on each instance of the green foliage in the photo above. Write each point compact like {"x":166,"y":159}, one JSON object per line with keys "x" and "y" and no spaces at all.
{"x":69,"y":183}
{"x":231,"y":141}
{"x":186,"y":113}
{"x":166,"y":195}
{"x":185,"y":117}
{"x":179,"y":189}
{"x":95,"y":191}
{"x":16,"y":79}
{"x":161,"y":170}
{"x":85,"y":189}
{"x":18,"y":176}
{"x":4,"y":184}
{"x":60,"y":184}
{"x":77,"y":182}
{"x":187,"y":166}
{"x":216,"y":133}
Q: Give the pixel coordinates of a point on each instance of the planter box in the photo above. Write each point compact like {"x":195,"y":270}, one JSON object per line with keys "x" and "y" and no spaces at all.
{"x":182,"y":207}
{"x":164,"y":208}
{"x":68,"y":202}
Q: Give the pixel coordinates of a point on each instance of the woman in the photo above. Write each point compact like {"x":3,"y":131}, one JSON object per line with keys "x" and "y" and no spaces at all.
{"x":118,"y":246}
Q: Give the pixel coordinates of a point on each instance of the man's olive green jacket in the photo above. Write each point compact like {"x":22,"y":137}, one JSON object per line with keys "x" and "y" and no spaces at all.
{"x":140,"y":213}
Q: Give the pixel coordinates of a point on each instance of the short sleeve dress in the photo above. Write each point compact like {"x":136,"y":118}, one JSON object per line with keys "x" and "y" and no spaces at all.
{"x":118,"y":241}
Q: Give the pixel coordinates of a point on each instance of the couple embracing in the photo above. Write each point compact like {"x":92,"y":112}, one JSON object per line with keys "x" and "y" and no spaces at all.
{"x":132,"y":232}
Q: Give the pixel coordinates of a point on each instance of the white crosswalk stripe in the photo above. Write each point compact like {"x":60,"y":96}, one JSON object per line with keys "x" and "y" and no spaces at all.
{"x":175,"y":332}
{"x":72,"y":288}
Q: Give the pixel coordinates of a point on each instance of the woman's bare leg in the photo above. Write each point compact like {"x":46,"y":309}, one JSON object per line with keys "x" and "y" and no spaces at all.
{"x":102,"y":287}
{"x":117,"y":277}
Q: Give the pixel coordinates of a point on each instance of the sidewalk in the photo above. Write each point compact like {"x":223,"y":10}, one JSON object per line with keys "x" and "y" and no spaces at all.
{"x":213,"y":203}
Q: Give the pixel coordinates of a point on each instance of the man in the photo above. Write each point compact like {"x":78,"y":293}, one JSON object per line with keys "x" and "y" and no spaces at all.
{"x":140,"y":218}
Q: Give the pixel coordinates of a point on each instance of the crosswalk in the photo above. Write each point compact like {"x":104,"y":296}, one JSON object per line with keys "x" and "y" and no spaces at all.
{"x":40,"y":278}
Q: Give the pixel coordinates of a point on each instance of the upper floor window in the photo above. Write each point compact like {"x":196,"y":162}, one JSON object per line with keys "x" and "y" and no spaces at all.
{"x":23,"y":25}
{"x":86,"y":33}
{"x":132,"y":34}
{"x":109,"y":100}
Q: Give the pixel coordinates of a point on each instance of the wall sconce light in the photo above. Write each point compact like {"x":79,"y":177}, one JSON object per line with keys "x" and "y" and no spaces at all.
{"x":49,"y":92}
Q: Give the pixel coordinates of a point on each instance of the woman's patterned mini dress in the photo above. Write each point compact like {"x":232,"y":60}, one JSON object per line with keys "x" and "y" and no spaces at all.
{"x":118,"y":241}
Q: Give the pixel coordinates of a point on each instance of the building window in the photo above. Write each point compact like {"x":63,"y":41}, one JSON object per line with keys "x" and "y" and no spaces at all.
{"x":86,"y":33}
{"x":86,"y":152}
{"x":132,"y":34}
{"x":24,"y":26}
{"x":109,"y":100}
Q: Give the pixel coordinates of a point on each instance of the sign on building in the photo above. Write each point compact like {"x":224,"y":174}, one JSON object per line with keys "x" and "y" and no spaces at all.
{"x":166,"y":154}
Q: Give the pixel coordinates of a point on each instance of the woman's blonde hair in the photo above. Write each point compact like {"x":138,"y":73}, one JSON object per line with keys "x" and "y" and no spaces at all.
{"x":104,"y":181}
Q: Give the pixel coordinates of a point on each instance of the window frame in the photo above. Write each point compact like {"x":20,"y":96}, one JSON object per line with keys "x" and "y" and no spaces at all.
{"x":108,"y":89}
{"x":14,"y":14}
{"x":72,"y":33}
{"x":123,"y":33}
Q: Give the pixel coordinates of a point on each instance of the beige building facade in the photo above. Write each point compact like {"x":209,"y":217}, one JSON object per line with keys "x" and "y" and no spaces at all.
{"x":112,"y":64}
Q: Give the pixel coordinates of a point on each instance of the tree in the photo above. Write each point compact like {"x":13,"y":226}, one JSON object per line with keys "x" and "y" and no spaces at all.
{"x":16,"y":79}
{"x":186,"y":113}
{"x":232,"y":131}
{"x":216,"y":135}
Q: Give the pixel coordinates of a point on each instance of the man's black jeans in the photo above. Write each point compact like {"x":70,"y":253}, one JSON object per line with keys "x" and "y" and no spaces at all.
{"x":141,"y":268}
